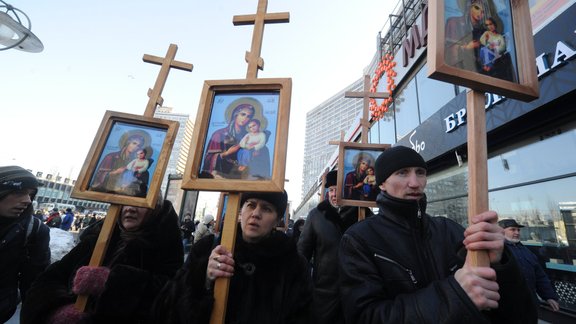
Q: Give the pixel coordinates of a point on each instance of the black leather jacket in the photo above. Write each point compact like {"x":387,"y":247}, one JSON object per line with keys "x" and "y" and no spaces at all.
{"x":398,"y":267}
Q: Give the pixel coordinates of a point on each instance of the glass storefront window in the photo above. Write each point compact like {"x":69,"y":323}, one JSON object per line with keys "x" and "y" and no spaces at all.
{"x":538,"y":160}
{"x":406,"y":110}
{"x":383,"y":131}
{"x":432,"y":94}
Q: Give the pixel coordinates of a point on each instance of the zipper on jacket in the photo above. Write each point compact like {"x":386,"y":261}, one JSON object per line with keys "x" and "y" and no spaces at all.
{"x":412,"y":277}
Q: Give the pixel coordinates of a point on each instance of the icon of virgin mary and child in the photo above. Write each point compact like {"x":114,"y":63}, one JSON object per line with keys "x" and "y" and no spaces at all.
{"x":239,"y":150}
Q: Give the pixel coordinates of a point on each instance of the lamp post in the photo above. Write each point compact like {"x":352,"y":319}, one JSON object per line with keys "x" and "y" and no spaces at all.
{"x":13,"y":34}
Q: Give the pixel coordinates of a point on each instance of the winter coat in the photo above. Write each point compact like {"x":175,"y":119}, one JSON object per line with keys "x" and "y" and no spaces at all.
{"x":21,"y":259}
{"x":535,"y":276}
{"x":271,"y":285}
{"x":202,"y":231}
{"x":54,"y":220}
{"x":140,"y":263}
{"x":319,"y":243}
{"x":67,"y":221}
{"x":398,"y":267}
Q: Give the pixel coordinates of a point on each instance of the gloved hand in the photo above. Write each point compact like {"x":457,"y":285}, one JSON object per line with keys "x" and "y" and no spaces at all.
{"x":68,"y":314}
{"x":90,"y":280}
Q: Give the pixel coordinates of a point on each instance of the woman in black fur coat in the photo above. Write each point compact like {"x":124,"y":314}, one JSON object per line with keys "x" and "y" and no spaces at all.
{"x":270,"y":282}
{"x":144,"y":252}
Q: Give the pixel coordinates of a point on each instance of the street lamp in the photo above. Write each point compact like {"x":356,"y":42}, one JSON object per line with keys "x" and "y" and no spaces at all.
{"x":13,"y":34}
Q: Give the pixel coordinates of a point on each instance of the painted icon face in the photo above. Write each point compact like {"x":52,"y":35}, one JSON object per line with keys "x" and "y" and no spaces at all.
{"x":243,"y":117}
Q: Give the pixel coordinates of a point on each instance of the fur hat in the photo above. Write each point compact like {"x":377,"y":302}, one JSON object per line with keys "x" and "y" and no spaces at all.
{"x":278,"y":199}
{"x":394,"y":159}
{"x":331,"y":178}
{"x":505,"y":223}
{"x":207,"y":219}
{"x":14,"y":178}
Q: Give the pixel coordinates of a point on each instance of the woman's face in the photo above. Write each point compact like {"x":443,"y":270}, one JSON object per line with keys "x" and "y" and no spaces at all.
{"x":476,"y":13}
{"x":243,"y":117}
{"x":257,"y":219}
{"x":132,"y":217}
{"x":362,"y":166}
{"x":133,"y":145}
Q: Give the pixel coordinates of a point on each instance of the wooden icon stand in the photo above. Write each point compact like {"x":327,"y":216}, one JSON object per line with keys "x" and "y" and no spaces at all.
{"x":154,"y":94}
{"x":524,"y":87}
{"x":366,"y":95}
{"x":255,"y":63}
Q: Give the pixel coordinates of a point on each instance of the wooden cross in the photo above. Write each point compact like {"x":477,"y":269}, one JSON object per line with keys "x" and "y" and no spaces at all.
{"x":253,"y":58}
{"x":477,"y":166}
{"x":166,"y":63}
{"x":366,"y":95}
{"x":155,"y":96}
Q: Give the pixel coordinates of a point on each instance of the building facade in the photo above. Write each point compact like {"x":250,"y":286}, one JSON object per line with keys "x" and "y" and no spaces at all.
{"x":179,"y":154}
{"x":326,"y":123}
{"x":531,"y":145}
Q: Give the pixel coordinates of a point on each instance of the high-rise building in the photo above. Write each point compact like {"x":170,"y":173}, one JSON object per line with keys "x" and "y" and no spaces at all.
{"x":325,"y":123}
{"x":179,"y":154}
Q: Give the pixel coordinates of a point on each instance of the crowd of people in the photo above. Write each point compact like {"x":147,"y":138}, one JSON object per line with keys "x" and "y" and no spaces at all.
{"x":400,"y":265}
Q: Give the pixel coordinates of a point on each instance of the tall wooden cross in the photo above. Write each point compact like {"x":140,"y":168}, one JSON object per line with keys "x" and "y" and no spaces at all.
{"x":259,"y":19}
{"x":366,"y":95}
{"x":166,"y":63}
{"x":114,"y":211}
{"x":255,"y":62}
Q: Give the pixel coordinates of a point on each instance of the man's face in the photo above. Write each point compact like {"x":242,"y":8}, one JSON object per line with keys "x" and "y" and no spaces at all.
{"x":132,"y":217}
{"x":406,"y":183}
{"x":332,"y":196}
{"x":257,"y":219}
{"x":512,"y":234}
{"x":16,"y":202}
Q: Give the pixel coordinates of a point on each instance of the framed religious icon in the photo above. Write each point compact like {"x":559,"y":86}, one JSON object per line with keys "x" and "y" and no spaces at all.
{"x":222,"y":204}
{"x":240,"y":138}
{"x":485,"y":45}
{"x":356,"y":183}
{"x":127,"y":160}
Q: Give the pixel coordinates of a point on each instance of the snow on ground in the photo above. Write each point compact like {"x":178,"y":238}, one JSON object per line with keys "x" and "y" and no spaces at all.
{"x":61,"y":242}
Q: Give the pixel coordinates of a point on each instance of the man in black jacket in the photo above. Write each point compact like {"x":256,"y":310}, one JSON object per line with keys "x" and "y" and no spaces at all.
{"x":404,"y":266}
{"x":24,"y":250}
{"x":319,"y":243}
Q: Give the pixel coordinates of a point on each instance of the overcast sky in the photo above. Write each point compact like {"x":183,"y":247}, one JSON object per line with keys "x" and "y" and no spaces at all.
{"x":53,"y":102}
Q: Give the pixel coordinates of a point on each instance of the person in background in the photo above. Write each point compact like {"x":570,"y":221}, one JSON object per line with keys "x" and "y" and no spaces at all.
{"x":86,"y":220}
{"x":535,"y":276}
{"x":204,"y":228}
{"x":405,"y":266}
{"x":318,"y":243}
{"x":269,"y":280}
{"x":67,"y":220}
{"x":144,"y":252}
{"x":54,"y":219}
{"x":40,"y":215}
{"x":297,"y":229}
{"x":187,"y":228}
{"x":24,"y":240}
